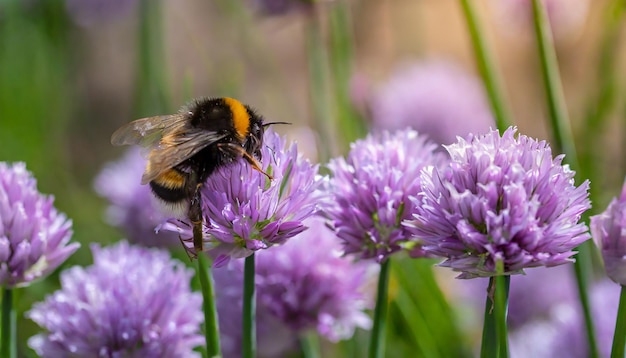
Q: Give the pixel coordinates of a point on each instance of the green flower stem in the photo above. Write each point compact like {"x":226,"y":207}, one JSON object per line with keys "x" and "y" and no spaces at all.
{"x":249,"y":309}
{"x":8,"y":348}
{"x":341,"y":52}
{"x":606,"y":97}
{"x":500,"y":312}
{"x":211,"y":326}
{"x":377,"y":342}
{"x":495,"y":335}
{"x":310,"y":345}
{"x":423,"y":306}
{"x":582,"y":270}
{"x":319,"y":83}
{"x":489,"y":345}
{"x":559,"y":118}
{"x":564,"y":143}
{"x":486,"y":67}
{"x":619,"y":338}
{"x":152,"y":93}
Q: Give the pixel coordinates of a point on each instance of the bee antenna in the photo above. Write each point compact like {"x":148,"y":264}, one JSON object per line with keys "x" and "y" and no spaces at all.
{"x":269,"y":124}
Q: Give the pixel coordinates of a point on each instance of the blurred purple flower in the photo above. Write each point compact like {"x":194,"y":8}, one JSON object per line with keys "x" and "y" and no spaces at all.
{"x":609,"y":232}
{"x":500,"y":199}
{"x":532,"y":296}
{"x":132,"y":302}
{"x":274,"y":339}
{"x":308,"y":283}
{"x":565,"y":16}
{"x":34,"y":236}
{"x":562,"y":334}
{"x":369,"y":192}
{"x":90,"y":12}
{"x":244,"y":211}
{"x":282,"y":7}
{"x":302,"y":285}
{"x":133,"y":206}
{"x":434,"y":97}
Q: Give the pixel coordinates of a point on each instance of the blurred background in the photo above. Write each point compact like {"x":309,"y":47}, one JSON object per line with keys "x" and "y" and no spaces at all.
{"x":73,"y":71}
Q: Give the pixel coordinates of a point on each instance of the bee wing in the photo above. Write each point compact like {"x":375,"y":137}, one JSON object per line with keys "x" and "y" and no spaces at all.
{"x":147,"y":132}
{"x":176,"y":147}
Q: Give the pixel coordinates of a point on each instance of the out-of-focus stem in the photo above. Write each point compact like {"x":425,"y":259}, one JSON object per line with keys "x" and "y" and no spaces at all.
{"x":310,"y":345}
{"x":563,"y":142}
{"x":619,"y":338}
{"x":486,"y":67}
{"x":152,"y":95}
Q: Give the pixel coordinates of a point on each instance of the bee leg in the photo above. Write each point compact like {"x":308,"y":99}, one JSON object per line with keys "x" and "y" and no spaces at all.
{"x":195,"y":216}
{"x":190,"y":253}
{"x":255,"y":164}
{"x":225,"y":147}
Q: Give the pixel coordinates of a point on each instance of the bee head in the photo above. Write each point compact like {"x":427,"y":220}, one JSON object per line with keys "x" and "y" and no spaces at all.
{"x":254,"y":139}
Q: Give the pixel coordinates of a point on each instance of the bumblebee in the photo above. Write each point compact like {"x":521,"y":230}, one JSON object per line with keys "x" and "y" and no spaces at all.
{"x":187,"y":147}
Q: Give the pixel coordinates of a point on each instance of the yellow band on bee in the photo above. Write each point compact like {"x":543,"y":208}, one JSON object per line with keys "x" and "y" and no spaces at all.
{"x":241,"y":118}
{"x":171,"y":179}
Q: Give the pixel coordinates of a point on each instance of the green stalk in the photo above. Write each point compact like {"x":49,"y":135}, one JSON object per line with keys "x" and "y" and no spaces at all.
{"x":249,"y":309}
{"x":377,"y":342}
{"x":341,"y":57}
{"x":564,"y":142}
{"x":559,"y":118}
{"x":152,"y":92}
{"x":321,"y":102}
{"x":429,"y":319}
{"x":9,"y":342}
{"x":489,"y":345}
{"x":310,"y":345}
{"x":605,"y":100}
{"x":582,"y":270}
{"x":495,"y":335}
{"x":619,"y":337}
{"x":211,"y":326}
{"x":486,"y":67}
{"x":500,"y":312}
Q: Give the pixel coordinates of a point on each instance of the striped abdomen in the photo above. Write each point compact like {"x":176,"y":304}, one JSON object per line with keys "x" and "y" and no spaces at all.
{"x":171,"y":186}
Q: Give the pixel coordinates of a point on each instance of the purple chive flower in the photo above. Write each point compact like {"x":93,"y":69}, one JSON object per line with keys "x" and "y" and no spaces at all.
{"x":302,"y":285}
{"x":436,"y":98}
{"x":609,"y":232}
{"x":133,"y":206}
{"x":91,"y":12}
{"x":370,"y":189}
{"x":500,"y":199}
{"x":132,"y":302}
{"x":244,"y":211}
{"x":34,"y":236}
